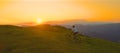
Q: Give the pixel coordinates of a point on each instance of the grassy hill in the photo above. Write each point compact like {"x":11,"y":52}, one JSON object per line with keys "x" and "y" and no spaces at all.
{"x":50,"y":39}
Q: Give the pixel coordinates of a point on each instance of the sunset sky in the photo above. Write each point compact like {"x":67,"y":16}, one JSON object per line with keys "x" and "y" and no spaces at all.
{"x":20,"y":11}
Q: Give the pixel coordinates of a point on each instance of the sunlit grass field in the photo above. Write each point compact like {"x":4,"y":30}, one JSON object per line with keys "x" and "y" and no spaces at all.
{"x":50,"y":39}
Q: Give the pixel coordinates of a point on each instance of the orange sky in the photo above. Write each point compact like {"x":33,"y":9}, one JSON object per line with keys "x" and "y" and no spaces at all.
{"x":19,"y":11}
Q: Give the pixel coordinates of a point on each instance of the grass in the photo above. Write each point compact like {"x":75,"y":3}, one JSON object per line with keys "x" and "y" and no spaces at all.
{"x":50,"y":39}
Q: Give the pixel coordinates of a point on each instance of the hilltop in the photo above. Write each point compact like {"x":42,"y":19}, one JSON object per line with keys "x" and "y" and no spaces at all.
{"x":50,"y":39}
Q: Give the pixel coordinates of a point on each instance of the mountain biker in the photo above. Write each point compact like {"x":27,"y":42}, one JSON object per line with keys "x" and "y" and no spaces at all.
{"x":75,"y":32}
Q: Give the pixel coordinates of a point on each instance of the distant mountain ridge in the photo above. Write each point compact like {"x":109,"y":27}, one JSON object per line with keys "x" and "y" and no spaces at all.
{"x":110,"y":31}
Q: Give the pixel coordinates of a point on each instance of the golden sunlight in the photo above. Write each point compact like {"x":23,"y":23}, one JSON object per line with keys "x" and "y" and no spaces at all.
{"x":39,"y":21}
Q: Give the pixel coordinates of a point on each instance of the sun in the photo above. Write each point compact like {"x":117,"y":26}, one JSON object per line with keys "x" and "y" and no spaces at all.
{"x":39,"y":21}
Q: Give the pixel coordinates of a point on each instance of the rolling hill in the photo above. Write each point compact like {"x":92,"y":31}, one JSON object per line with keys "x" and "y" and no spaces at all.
{"x":50,"y":39}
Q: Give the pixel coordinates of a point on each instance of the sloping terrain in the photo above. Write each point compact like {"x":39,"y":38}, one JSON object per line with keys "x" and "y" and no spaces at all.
{"x":50,"y":39}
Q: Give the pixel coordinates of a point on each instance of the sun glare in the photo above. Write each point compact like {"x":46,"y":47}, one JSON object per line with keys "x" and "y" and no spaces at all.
{"x":39,"y":21}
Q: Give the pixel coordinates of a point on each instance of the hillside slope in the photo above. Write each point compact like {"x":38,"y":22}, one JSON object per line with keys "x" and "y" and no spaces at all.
{"x":50,"y":39}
